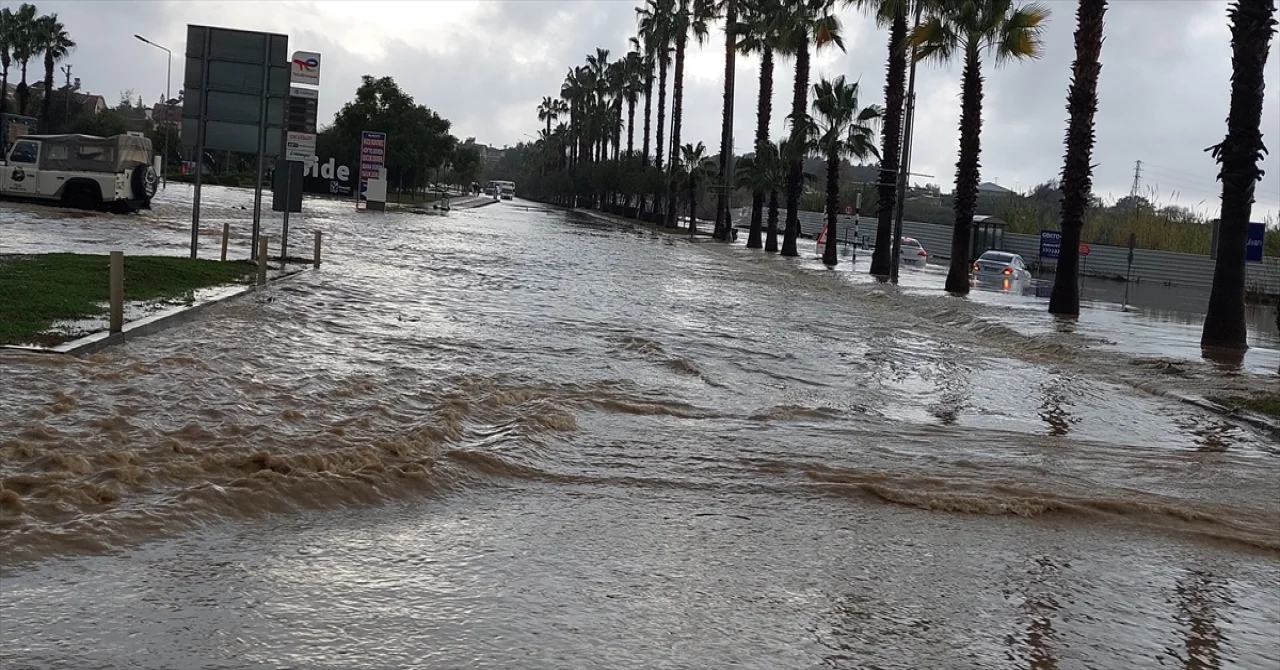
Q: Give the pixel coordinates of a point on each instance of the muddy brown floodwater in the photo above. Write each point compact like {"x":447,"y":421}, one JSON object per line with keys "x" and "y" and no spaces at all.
{"x":515,"y":437}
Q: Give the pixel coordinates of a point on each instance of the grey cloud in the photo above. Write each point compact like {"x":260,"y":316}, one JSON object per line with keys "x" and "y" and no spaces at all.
{"x":1163,"y":92}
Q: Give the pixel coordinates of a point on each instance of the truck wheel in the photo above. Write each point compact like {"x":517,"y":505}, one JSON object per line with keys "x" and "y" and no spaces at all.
{"x":144,"y":182}
{"x":82,"y":196}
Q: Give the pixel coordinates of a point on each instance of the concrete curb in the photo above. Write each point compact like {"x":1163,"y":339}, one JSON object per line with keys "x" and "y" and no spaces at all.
{"x":155,"y":323}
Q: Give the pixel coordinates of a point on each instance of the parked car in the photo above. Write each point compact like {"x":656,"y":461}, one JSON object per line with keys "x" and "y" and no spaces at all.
{"x":911,"y":252}
{"x":1000,"y":266}
{"x":111,"y":173}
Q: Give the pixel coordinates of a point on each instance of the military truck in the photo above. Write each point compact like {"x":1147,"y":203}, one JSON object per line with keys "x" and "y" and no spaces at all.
{"x":102,"y":173}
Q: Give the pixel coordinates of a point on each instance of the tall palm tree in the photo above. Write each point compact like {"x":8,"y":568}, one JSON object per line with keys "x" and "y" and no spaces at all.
{"x":1077,"y":170}
{"x":51,"y":38}
{"x":762,"y":172}
{"x":641,"y":43}
{"x":731,"y":30}
{"x":633,"y":83}
{"x":24,"y":48}
{"x":691,"y":17}
{"x":572,"y":92}
{"x":966,"y":29}
{"x":809,"y":22}
{"x":8,"y":29}
{"x":760,"y":22}
{"x":548,"y":111}
{"x":615,"y":91}
{"x":840,"y":129}
{"x":894,"y":14}
{"x":655,"y":19}
{"x":1252,"y":24}
{"x":696,"y":167}
{"x":791,"y":149}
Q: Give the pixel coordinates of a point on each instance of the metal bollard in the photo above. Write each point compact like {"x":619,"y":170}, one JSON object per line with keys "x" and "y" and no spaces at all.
{"x":116,"y":292}
{"x":262,"y":260}
{"x":315,"y":258}
{"x":226,"y":232}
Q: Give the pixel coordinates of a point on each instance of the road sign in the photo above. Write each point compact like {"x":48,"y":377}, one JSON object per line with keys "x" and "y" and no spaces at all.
{"x":1084,"y":249}
{"x":300,"y":147}
{"x":1050,"y":243}
{"x":1253,"y":252}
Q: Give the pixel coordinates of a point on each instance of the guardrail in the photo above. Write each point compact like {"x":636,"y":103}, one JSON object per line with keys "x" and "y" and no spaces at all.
{"x":1149,"y":265}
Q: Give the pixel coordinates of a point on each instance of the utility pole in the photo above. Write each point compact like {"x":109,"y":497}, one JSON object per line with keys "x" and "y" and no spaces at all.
{"x":904,"y":165}
{"x":66,"y":97}
{"x":1137,"y":182}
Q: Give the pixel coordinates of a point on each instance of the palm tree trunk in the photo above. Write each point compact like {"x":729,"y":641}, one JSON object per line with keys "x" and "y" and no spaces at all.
{"x":24,"y":93}
{"x":771,"y":233}
{"x":659,"y":149}
{"x":631,"y":127}
{"x":795,"y":172}
{"x":757,"y":212}
{"x":891,"y":153}
{"x":677,"y":103}
{"x":966,"y":195}
{"x":833,"y":207}
{"x":693,"y":207}
{"x":1077,"y":182}
{"x":648,"y":110}
{"x":4,"y":80}
{"x":47,"y":106}
{"x":764,"y":109}
{"x":723,"y":222}
{"x":1252,"y":23}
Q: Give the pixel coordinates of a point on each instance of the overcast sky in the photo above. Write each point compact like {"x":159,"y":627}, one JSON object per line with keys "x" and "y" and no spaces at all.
{"x":485,"y":65}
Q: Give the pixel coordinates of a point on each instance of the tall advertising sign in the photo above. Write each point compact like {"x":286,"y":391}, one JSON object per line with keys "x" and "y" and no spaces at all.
{"x":373,"y":159}
{"x":299,"y":150}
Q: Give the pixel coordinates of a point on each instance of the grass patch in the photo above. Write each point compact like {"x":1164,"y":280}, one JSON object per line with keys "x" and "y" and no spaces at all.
{"x":1260,"y":403}
{"x":37,"y":291}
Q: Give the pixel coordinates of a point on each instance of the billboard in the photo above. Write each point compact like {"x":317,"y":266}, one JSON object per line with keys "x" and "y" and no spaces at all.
{"x":1050,"y":244}
{"x":326,"y":177}
{"x":304,"y":68}
{"x":236,"y":84}
{"x":1253,"y":252}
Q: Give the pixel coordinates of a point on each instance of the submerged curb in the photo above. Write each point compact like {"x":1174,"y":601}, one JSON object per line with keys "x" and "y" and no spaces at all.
{"x":155,"y":323}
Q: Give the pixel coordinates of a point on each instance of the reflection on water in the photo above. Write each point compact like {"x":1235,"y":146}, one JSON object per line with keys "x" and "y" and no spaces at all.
{"x":513,"y":437}
{"x":1198,"y":597}
{"x":1053,"y":408}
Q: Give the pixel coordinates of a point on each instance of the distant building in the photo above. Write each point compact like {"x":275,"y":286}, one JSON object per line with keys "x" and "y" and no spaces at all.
{"x":989,"y":188}
{"x":490,"y":155}
{"x":167,"y":115}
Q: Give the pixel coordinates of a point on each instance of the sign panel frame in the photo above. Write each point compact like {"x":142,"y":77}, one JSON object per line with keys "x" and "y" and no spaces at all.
{"x":304,"y":68}
{"x":1050,"y":244}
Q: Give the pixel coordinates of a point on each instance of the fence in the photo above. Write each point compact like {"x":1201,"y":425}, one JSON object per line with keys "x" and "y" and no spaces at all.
{"x":1166,"y":267}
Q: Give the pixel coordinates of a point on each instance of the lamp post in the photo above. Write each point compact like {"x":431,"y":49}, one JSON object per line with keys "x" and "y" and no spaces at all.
{"x":168,"y":77}
{"x":904,"y":166}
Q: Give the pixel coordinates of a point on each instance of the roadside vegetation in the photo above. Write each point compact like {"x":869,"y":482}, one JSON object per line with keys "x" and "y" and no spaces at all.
{"x":1260,"y":403}
{"x":38,"y":291}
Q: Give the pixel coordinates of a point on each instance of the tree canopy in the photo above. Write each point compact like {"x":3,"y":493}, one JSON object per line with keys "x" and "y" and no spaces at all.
{"x":418,"y":139}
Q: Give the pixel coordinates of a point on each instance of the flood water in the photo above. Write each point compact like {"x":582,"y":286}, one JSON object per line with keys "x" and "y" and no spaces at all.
{"x":515,"y":437}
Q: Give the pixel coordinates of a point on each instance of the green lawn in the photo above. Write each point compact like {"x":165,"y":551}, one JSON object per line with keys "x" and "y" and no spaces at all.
{"x":37,"y":291}
{"x":1262,"y":403}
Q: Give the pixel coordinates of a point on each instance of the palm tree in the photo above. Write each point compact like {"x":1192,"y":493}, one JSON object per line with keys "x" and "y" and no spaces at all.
{"x":8,"y":29}
{"x":633,"y":82}
{"x":691,"y":16}
{"x":1252,"y":24}
{"x":840,"y":130}
{"x":655,"y":24}
{"x":52,"y":38}
{"x":967,"y":29}
{"x":762,"y":172}
{"x":696,"y":167}
{"x":23,"y":46}
{"x":641,"y":43}
{"x":894,"y":14}
{"x":731,"y":29}
{"x":807,"y":22}
{"x":760,"y":22}
{"x":791,"y":149}
{"x":548,"y":111}
{"x":1082,"y":104}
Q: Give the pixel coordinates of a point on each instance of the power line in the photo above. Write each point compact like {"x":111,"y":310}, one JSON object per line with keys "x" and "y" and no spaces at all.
{"x":1185,"y":177}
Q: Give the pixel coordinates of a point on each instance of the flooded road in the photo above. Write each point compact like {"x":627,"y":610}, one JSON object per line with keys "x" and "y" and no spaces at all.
{"x":519,"y":437}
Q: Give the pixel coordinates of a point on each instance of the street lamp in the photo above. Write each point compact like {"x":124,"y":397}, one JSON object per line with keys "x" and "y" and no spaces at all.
{"x":168,"y":77}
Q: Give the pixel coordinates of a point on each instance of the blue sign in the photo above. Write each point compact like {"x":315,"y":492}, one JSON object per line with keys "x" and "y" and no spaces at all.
{"x":1050,"y":243}
{"x":1253,"y":252}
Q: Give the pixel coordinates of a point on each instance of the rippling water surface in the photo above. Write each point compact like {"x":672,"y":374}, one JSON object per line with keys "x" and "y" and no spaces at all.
{"x":519,"y":437}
